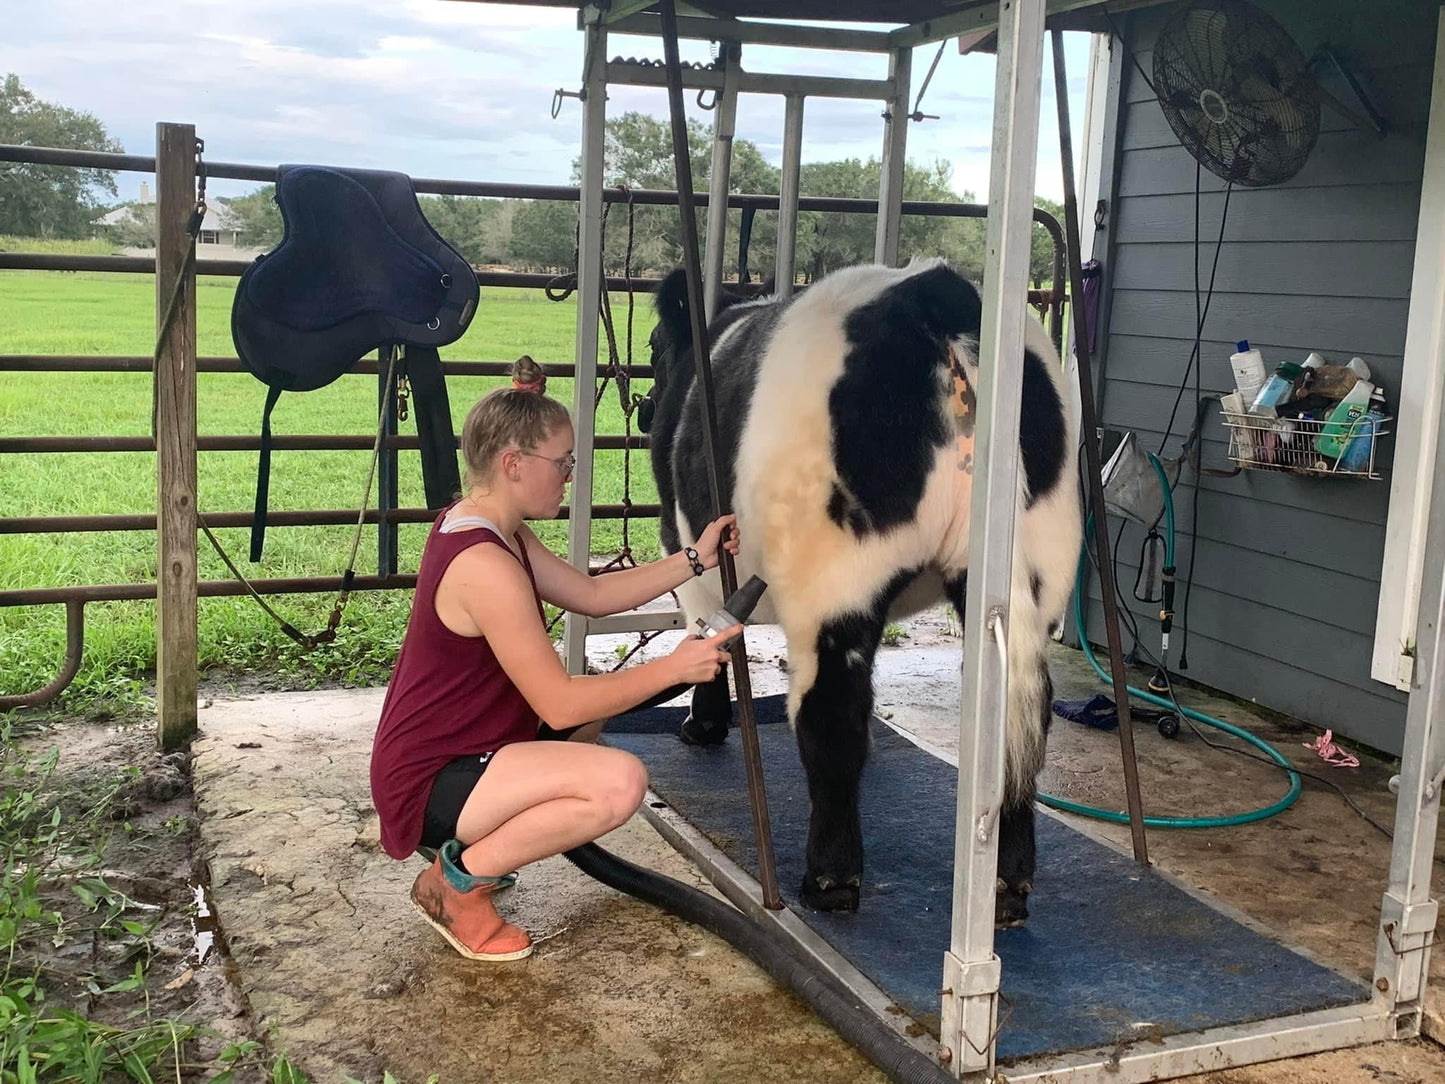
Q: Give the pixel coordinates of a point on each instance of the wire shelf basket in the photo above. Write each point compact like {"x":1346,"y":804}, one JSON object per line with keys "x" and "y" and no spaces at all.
{"x":1290,"y":445}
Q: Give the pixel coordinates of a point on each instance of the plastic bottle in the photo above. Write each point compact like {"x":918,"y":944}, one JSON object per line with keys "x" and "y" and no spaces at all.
{"x":1277,"y":390}
{"x":1249,"y":371}
{"x":1338,"y":431}
{"x":1357,"y":452}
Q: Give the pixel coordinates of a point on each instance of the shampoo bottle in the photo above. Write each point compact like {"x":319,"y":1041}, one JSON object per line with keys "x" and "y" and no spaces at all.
{"x":1341,"y":426}
{"x":1357,"y":452}
{"x":1249,"y":372}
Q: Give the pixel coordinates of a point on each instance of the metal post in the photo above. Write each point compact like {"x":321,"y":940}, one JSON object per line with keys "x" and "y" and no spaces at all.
{"x":589,"y":303}
{"x":747,"y":721}
{"x":1092,"y":464}
{"x":895,"y":153}
{"x":175,"y":434}
{"x":387,"y":475}
{"x":785,"y":267}
{"x":1407,"y":912}
{"x":971,"y":970}
{"x":724,"y":125}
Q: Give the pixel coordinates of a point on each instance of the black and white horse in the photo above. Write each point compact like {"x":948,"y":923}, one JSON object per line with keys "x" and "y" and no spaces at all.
{"x":845,"y":419}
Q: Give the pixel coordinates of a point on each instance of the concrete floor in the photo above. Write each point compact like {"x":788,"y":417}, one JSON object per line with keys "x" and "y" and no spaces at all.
{"x":330,"y":954}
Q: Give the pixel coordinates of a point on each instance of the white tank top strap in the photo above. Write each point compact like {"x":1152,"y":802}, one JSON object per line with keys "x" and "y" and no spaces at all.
{"x":459,"y":522}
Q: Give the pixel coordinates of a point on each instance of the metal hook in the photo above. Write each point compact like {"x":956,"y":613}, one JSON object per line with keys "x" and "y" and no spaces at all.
{"x":706,"y":105}
{"x":559,"y":94}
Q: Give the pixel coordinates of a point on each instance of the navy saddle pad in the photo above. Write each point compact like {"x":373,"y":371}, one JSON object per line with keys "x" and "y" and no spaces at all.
{"x":359,"y":267}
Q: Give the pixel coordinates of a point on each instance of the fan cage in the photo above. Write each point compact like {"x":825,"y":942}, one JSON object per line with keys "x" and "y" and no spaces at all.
{"x":1237,"y":91}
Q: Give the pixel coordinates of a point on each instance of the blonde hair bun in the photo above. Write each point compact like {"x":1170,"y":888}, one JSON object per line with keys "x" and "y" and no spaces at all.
{"x":527,"y":375}
{"x":521,"y":416}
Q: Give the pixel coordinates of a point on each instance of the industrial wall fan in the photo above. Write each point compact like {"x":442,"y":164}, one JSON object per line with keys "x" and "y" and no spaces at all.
{"x":1237,"y":91}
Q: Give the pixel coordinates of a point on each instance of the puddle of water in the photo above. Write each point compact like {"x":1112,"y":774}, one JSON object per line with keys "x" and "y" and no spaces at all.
{"x":203,"y":924}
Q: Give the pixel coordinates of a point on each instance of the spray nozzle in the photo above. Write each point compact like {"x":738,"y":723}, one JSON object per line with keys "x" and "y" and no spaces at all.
{"x":736,"y":610}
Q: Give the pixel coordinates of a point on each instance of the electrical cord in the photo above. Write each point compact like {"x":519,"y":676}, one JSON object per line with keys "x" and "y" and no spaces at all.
{"x":1173,"y":698}
{"x":1195,"y":363}
{"x":1220,"y":746}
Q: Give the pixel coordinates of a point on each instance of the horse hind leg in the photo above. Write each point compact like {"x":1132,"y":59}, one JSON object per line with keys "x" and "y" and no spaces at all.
{"x":1030,"y":701}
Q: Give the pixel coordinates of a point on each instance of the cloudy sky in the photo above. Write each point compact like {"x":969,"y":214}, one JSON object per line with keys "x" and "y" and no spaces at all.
{"x":441,"y":88}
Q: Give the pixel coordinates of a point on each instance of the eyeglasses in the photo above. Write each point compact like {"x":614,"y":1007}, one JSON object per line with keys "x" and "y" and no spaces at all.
{"x":566,"y":464}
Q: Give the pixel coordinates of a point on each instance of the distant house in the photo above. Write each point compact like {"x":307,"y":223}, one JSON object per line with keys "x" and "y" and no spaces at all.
{"x":220,"y":231}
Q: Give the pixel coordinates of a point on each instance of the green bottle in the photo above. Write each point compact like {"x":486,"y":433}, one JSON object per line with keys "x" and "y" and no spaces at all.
{"x":1336,"y":434}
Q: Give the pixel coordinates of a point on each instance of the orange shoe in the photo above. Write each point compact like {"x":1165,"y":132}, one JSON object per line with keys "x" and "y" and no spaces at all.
{"x":459,"y":906}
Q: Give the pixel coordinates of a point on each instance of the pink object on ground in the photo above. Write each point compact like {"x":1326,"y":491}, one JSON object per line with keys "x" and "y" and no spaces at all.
{"x":1331,"y":753}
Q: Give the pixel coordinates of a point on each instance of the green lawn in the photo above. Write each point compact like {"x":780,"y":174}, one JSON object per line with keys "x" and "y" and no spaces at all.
{"x":93,"y":313}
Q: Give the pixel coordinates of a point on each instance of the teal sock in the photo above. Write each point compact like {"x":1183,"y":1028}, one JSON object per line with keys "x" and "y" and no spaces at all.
{"x":457,"y":874}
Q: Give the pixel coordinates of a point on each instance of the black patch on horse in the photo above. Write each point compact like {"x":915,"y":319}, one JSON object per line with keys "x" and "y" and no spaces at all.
{"x":734,"y":380}
{"x":887,"y":420}
{"x":1041,"y":429}
{"x":675,"y":372}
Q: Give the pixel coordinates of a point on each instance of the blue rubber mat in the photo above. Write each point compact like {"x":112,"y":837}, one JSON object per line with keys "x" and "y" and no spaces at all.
{"x":1111,"y":952}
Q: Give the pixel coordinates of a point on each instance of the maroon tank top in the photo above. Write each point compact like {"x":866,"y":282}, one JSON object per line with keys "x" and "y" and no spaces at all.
{"x":448,"y":697}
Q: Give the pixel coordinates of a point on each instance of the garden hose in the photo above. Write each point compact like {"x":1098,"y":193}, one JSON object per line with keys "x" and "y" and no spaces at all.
{"x":1115,"y":816}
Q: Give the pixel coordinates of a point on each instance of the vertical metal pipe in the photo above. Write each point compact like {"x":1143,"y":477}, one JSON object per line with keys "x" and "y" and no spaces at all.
{"x":785,"y":266}
{"x":1408,"y":914}
{"x":387,"y":479}
{"x":895,"y":154}
{"x":747,"y":721}
{"x":1090,"y":428}
{"x":724,"y":125}
{"x":971,"y":970}
{"x":589,"y":303}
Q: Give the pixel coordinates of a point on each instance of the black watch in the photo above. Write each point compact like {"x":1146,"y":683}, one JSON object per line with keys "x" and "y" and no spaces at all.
{"x":691,"y":555}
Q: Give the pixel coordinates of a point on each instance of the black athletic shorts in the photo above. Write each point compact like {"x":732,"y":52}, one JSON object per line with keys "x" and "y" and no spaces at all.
{"x":453,"y":785}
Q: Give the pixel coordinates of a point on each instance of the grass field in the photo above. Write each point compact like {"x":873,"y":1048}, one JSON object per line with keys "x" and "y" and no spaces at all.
{"x":94,"y":313}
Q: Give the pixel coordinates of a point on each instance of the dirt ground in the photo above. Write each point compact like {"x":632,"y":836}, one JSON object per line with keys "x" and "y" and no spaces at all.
{"x":311,"y":945}
{"x":148,"y":851}
{"x":331,"y":958}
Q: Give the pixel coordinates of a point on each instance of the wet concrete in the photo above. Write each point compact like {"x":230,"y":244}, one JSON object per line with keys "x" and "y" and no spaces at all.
{"x":331,"y":956}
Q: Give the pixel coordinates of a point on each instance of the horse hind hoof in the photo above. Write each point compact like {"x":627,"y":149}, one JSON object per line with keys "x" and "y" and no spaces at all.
{"x":1009,"y":914}
{"x":693,"y":732}
{"x":833,"y":897}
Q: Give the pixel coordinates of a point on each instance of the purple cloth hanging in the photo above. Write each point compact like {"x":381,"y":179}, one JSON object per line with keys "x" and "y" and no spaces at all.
{"x":1093,"y":275}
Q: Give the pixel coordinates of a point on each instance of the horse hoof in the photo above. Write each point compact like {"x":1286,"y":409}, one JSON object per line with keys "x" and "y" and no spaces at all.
{"x":835,"y":897}
{"x":1010,"y":911}
{"x":693,"y":732}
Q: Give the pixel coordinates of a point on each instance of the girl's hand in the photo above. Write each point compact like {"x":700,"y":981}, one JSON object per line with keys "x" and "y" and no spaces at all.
{"x":698,"y":660}
{"x":707,"y":545}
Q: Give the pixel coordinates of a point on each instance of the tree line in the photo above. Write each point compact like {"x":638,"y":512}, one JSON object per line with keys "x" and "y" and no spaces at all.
{"x":537,"y":235}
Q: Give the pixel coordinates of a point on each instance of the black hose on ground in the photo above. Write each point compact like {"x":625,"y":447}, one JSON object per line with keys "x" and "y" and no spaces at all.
{"x":772,"y":951}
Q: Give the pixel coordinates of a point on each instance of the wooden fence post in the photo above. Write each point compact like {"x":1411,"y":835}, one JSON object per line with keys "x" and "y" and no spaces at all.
{"x":175,"y":432}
